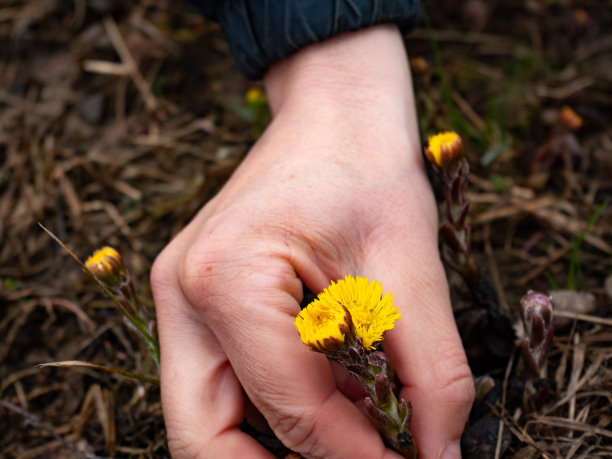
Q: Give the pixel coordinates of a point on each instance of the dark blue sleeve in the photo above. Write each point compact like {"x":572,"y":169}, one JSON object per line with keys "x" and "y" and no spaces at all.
{"x":261,"y":32}
{"x":207,"y":8}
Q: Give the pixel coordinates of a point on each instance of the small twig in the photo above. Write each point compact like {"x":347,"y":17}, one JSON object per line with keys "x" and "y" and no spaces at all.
{"x":573,"y":425}
{"x":105,"y":67}
{"x":503,"y":406}
{"x":469,"y":112}
{"x":523,"y":436}
{"x":566,"y":91}
{"x":584,"y":317}
{"x":573,"y":388}
{"x":128,"y":61}
{"x":75,"y":309}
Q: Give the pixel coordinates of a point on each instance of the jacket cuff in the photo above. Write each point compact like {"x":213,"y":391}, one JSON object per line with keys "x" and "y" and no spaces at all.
{"x":261,"y":32}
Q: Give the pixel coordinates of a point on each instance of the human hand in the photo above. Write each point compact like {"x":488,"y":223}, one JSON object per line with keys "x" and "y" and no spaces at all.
{"x":335,"y":186}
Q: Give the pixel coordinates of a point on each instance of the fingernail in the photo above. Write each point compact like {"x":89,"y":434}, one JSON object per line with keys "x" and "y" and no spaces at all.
{"x":452,"y":451}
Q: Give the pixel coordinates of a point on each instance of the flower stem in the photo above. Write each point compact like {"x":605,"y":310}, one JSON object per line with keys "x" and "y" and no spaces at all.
{"x":392,"y":417}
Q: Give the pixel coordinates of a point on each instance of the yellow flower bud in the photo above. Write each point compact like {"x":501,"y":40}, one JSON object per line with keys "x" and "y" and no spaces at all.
{"x":444,"y":149}
{"x":107,"y":265}
{"x":570,"y":119}
{"x":255,"y":96}
{"x":419,"y":65}
{"x":581,"y":17}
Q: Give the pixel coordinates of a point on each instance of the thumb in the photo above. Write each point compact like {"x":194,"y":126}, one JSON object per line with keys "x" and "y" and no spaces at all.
{"x":425,"y":346}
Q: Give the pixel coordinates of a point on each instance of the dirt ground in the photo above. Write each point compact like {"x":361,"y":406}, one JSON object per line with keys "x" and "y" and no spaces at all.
{"x":118,"y":120}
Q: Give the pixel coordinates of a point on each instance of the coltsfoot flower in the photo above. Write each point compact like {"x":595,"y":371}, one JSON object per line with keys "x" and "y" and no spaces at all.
{"x":255,"y":96}
{"x":444,"y":149}
{"x":345,"y":322}
{"x":324,"y":327}
{"x":107,"y":265}
{"x":325,"y":319}
{"x":451,"y":171}
{"x":569,"y":118}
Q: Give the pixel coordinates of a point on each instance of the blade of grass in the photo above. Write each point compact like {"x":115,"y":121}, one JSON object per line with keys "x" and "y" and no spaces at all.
{"x":117,"y":371}
{"x":574,"y":274}
{"x":551,"y":281}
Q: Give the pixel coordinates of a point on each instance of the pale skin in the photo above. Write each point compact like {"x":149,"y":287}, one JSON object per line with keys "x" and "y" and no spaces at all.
{"x":335,"y":186}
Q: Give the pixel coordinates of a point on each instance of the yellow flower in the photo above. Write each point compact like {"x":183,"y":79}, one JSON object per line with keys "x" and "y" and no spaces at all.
{"x":255,"y":96}
{"x":370,"y":312}
{"x":444,"y":148}
{"x":418,"y":64}
{"x":107,"y":265}
{"x":581,"y":17}
{"x":323,"y":326}
{"x":570,"y":119}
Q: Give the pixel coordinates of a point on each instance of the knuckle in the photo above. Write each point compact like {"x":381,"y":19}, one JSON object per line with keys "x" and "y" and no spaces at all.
{"x":204,"y":271}
{"x":456,"y":384}
{"x":182,"y":448}
{"x":460,"y":391}
{"x":198,"y":272}
{"x":297,"y":431}
{"x":179,"y":448}
{"x":302,"y":428}
{"x":184,"y":442}
{"x":297,"y":425}
{"x":193,"y":268}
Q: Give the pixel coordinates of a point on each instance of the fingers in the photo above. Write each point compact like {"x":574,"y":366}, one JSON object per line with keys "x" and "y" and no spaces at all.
{"x":425,"y":347}
{"x":202,"y":399}
{"x":251,"y":311}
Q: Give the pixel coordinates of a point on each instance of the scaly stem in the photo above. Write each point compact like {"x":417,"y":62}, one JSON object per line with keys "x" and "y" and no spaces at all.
{"x":392,"y":417}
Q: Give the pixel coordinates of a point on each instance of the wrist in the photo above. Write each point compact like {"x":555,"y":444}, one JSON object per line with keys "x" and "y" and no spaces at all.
{"x":356,"y":83}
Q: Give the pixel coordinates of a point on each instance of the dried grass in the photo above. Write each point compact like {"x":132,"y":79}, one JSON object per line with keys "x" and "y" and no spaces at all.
{"x":113,"y":131}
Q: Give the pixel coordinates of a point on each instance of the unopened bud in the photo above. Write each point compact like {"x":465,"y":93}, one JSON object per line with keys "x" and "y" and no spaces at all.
{"x":107,"y":265}
{"x":255,"y":96}
{"x":444,"y":149}
{"x":484,"y":385}
{"x":537,"y":317}
{"x":581,"y":17}
{"x":419,"y":65}
{"x":570,"y":119}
